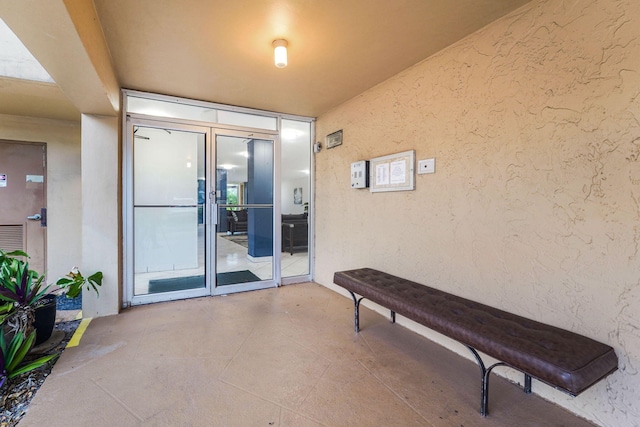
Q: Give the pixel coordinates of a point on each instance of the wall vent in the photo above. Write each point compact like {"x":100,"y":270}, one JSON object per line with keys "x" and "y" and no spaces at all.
{"x":11,"y":237}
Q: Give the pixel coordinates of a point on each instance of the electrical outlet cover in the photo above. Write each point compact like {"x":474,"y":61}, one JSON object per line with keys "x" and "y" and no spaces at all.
{"x":426,"y":166}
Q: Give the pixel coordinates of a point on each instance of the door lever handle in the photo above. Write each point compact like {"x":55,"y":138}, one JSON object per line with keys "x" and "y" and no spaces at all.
{"x":36,"y":217}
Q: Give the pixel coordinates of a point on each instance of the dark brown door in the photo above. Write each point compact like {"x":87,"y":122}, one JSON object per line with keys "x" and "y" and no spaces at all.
{"x":23,"y":200}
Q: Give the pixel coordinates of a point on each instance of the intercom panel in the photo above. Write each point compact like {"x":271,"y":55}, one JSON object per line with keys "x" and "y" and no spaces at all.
{"x":360,"y":174}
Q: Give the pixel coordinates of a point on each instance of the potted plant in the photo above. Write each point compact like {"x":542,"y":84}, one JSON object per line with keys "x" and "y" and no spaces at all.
{"x":73,"y":282}
{"x":21,"y":294}
{"x":32,"y":307}
{"x":23,"y":288}
{"x":27,"y":311}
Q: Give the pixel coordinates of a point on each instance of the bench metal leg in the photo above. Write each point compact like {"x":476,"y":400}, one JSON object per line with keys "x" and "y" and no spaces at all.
{"x":356,"y":311}
{"x":484,"y":373}
{"x":484,"y":401}
{"x":527,"y":383}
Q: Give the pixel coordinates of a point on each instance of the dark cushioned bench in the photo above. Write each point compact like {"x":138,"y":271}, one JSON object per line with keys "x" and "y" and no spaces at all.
{"x":562,"y":359}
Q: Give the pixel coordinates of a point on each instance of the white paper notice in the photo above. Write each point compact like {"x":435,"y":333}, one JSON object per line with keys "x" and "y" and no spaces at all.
{"x":3,"y":180}
{"x":398,"y":172}
{"x":35,"y":178}
{"x":382,"y":174}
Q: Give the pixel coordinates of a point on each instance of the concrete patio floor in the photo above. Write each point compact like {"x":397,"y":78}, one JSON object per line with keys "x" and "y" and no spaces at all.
{"x":278,"y":357}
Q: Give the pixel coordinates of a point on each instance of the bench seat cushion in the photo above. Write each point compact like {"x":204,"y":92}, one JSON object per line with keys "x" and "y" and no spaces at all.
{"x":558,"y":357}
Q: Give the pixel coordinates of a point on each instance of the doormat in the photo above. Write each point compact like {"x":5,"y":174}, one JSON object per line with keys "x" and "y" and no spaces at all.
{"x":64,"y":303}
{"x":175,"y":284}
{"x":234,"y":277}
{"x":193,"y":282}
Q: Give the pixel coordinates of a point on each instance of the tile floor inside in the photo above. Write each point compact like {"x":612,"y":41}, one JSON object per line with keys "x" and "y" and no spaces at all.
{"x":279,"y":357}
{"x":231,"y":256}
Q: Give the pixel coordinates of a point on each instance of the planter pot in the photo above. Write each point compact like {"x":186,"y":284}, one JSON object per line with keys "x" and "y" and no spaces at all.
{"x":45,"y":315}
{"x":63,"y":303}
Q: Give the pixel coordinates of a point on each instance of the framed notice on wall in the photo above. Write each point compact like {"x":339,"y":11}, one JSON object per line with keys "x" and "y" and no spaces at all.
{"x":394,"y":172}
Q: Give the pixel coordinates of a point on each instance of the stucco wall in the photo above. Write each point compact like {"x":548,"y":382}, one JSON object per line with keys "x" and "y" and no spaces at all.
{"x":534,"y":122}
{"x":64,"y":245}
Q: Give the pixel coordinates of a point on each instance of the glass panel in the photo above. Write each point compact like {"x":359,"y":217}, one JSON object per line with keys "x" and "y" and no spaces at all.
{"x":296,"y":188}
{"x":153,"y":107}
{"x":244,"y":189}
{"x":168,"y":198}
{"x":247,"y":120}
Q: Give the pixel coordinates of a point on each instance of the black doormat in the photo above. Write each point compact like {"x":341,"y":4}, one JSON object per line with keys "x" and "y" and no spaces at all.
{"x":64,"y":303}
{"x":234,"y":277}
{"x":193,"y":282}
{"x":175,"y":284}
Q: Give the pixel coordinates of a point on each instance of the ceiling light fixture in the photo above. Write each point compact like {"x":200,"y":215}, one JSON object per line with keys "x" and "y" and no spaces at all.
{"x":280,"y":52}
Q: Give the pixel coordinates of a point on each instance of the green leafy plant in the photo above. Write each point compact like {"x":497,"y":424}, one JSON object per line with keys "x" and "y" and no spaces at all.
{"x":22,"y":288}
{"x":9,"y":264}
{"x":73,"y":282}
{"x":20,"y":285}
{"x":12,"y":356}
{"x":10,"y":255}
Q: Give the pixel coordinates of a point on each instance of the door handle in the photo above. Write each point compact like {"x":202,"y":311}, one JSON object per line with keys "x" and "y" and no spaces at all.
{"x":36,"y":217}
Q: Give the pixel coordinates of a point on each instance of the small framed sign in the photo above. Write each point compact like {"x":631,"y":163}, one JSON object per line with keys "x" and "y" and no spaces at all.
{"x":393,"y":172}
{"x":334,"y":139}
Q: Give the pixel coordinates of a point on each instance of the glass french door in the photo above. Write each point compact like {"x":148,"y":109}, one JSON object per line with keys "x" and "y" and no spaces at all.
{"x":244,"y":211}
{"x":201,"y":211}
{"x":168,"y":197}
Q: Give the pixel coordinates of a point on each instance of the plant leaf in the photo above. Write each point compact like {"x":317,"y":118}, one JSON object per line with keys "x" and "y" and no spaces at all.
{"x":33,"y":291}
{"x":96,"y":278}
{"x":21,"y":349}
{"x":32,"y":365}
{"x":14,"y":253}
{"x":8,"y":295}
{"x":3,"y":368}
{"x":63,"y":281}
{"x":73,"y":292}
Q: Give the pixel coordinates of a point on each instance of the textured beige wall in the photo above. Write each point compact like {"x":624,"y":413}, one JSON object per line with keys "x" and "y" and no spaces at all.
{"x":534,"y":122}
{"x":63,"y":185}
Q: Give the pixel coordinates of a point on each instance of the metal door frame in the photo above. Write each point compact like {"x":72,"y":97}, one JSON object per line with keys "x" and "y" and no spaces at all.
{"x":128,"y":218}
{"x":275,"y":267}
{"x":210,"y":131}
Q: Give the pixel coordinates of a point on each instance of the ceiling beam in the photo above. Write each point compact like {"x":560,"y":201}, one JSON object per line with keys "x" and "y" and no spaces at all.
{"x":65,"y":36}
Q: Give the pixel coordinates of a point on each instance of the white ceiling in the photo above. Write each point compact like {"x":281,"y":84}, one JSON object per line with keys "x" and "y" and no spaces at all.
{"x":221,"y":51}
